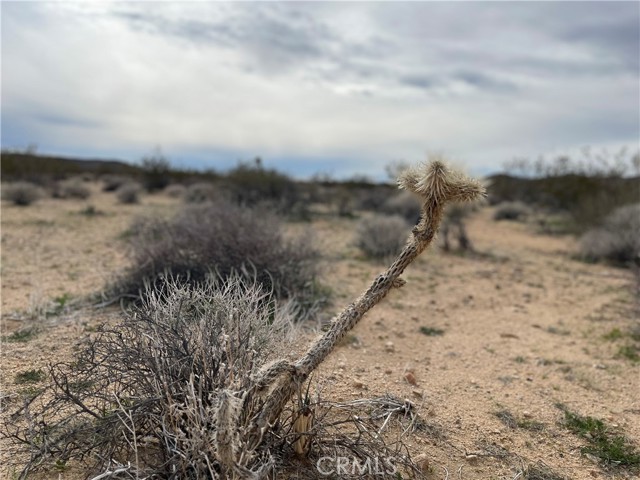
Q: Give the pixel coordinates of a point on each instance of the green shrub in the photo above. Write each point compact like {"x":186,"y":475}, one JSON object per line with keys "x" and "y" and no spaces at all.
{"x":21,"y":193}
{"x":156,"y":171}
{"x":227,"y":239}
{"x":381,"y":236}
{"x":129,"y":193}
{"x":617,"y":240}
{"x":516,"y":211}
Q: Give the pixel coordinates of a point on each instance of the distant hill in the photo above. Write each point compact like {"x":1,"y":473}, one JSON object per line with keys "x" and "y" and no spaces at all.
{"x":26,"y":166}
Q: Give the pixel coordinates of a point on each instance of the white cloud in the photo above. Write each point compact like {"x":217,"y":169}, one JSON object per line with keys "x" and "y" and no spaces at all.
{"x":363,"y":82}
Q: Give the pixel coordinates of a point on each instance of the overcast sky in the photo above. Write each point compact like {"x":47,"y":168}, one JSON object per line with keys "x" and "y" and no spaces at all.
{"x":339,"y":88}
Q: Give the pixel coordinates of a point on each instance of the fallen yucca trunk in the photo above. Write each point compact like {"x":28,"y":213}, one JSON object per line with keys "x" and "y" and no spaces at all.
{"x":183,"y":389}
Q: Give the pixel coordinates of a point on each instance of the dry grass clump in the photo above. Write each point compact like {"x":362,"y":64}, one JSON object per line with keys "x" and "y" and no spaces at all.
{"x":381,"y":236}
{"x":516,"y":211}
{"x":227,"y":239}
{"x":129,"y":193}
{"x":617,"y":241}
{"x":21,"y":193}
{"x":175,"y":190}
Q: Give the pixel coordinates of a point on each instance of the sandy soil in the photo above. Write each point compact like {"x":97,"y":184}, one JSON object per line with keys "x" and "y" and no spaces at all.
{"x":522,"y":330}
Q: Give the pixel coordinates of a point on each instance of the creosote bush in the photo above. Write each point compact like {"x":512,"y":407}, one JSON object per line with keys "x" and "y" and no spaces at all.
{"x":381,"y":236}
{"x":200,"y":192}
{"x":403,"y":204}
{"x":21,"y":193}
{"x":225,"y":238}
{"x":617,"y":241}
{"x":72,"y":188}
{"x":175,"y":190}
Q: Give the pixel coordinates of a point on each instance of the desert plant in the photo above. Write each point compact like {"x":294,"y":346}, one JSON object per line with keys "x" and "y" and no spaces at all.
{"x":403,"y":204}
{"x":111,"y":183}
{"x":129,"y":193}
{"x":72,"y":188}
{"x":175,"y":190}
{"x":156,"y":171}
{"x":381,"y":236}
{"x":453,"y":224}
{"x":225,"y":238}
{"x":617,"y":240}
{"x":200,"y":192}
{"x":21,"y":193}
{"x":516,"y":211}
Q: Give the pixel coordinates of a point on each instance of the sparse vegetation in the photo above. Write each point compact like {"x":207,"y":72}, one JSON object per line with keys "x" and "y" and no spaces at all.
{"x":431,"y":331}
{"x":29,"y":376}
{"x":21,"y":336}
{"x":403,"y":204}
{"x":73,"y":188}
{"x":607,"y":445}
{"x":21,"y":193}
{"x":381,"y":236}
{"x":156,"y":171}
{"x":200,"y":192}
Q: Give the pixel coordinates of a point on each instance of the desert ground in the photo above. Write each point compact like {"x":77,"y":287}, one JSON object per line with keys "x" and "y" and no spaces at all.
{"x":485,"y":344}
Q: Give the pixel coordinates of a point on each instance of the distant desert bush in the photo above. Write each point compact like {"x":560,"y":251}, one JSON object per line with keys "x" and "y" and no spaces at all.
{"x":381,"y":236}
{"x":72,"y":188}
{"x":21,"y":193}
{"x":129,"y":193}
{"x":111,"y":183}
{"x":175,"y":190}
{"x":156,"y":171}
{"x":516,"y":211}
{"x":617,"y":240}
{"x":227,"y":239}
{"x":453,"y":225}
{"x":199,"y":193}
{"x":404,"y":204}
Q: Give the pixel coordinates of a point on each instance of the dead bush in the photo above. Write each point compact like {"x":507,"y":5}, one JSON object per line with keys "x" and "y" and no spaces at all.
{"x":225,"y":238}
{"x":129,"y":193}
{"x":21,"y":193}
{"x":381,"y":236}
{"x":516,"y":211}
{"x":617,"y":240}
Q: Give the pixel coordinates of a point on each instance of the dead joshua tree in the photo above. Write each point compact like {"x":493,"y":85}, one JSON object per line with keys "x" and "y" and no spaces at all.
{"x":243,"y":417}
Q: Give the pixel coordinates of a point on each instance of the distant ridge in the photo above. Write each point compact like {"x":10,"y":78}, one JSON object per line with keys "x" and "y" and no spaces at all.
{"x":15,"y":166}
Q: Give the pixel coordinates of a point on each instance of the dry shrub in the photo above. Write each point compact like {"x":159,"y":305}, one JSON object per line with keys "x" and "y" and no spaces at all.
{"x":224,"y":238}
{"x":453,"y":225}
{"x":21,"y":193}
{"x":175,"y":190}
{"x":381,"y":236}
{"x":404,"y":204}
{"x":617,"y":241}
{"x":129,"y":193}
{"x":71,"y":189}
{"x":113,"y":182}
{"x":200,"y":192}
{"x":146,"y":391}
{"x":516,"y":211}
{"x":147,"y":397}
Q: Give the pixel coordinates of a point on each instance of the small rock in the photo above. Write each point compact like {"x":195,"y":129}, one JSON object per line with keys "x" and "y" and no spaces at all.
{"x":410,"y":378}
{"x":417,"y":393}
{"x":388,"y":371}
{"x":526,"y":414}
{"x":358,"y":384}
{"x":389,"y":347}
{"x":422,"y":462}
{"x":342,"y":365}
{"x":600,"y":366}
{"x":529,"y":379}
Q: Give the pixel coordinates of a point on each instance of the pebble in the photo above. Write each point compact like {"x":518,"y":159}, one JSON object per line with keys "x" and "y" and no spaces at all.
{"x":417,"y":393}
{"x":389,"y":347}
{"x":358,"y":384}
{"x":526,"y":414}
{"x":410,"y":378}
{"x":422,"y":462}
{"x":388,"y":371}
